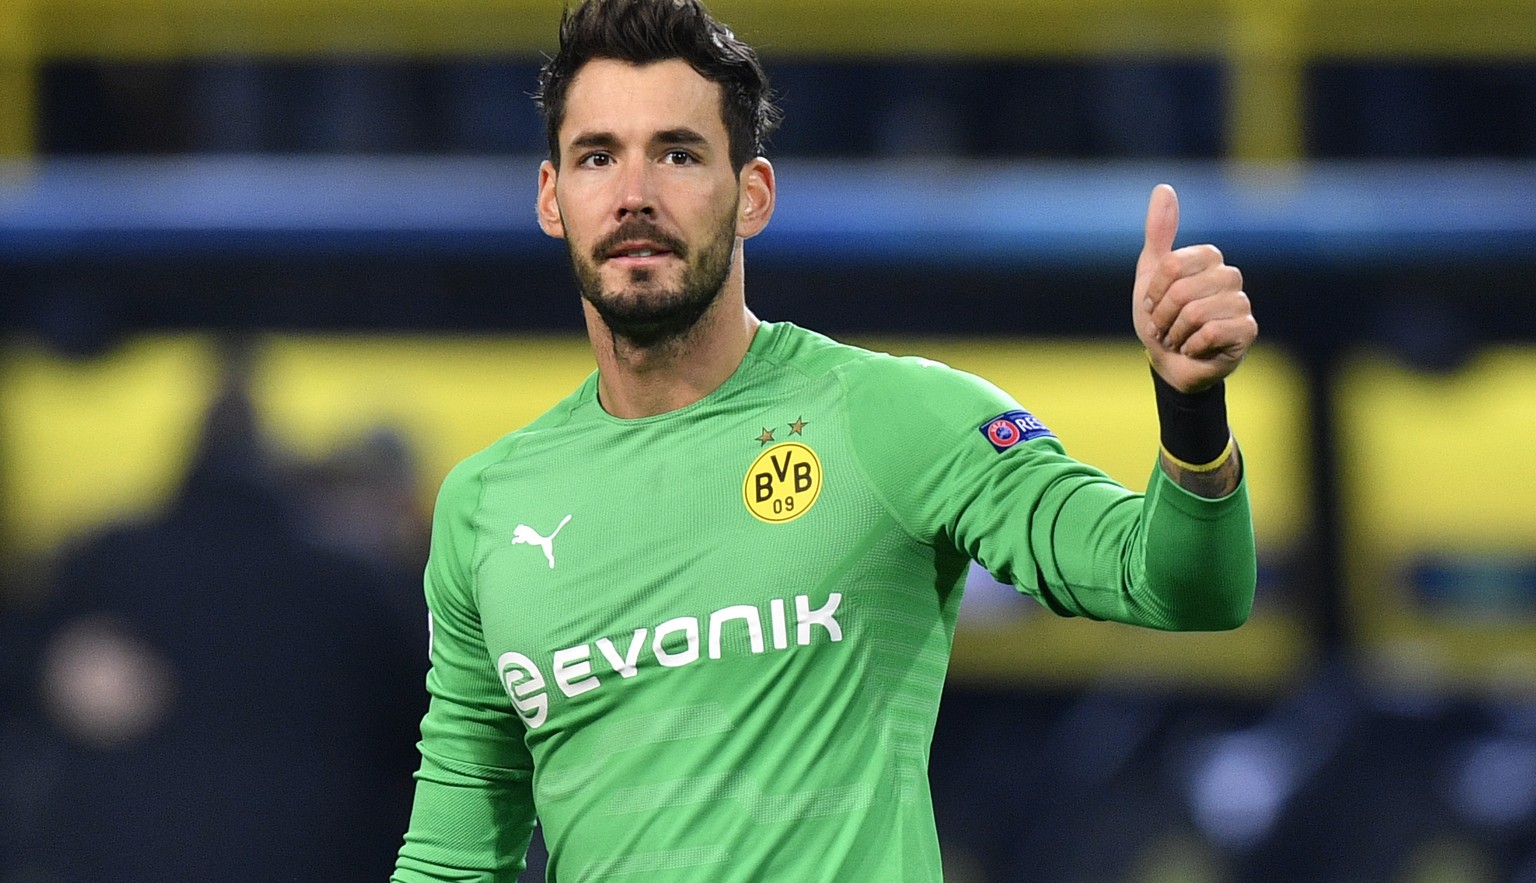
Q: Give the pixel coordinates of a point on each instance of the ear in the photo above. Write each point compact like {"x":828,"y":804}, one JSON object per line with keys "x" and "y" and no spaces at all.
{"x":548,"y":206}
{"x":758,"y":190}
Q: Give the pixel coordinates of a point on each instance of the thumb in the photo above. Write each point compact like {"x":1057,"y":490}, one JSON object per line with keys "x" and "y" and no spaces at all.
{"x":1162,"y":227}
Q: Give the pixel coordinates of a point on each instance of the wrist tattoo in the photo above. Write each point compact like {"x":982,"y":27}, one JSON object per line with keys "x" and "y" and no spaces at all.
{"x":1208,"y":483}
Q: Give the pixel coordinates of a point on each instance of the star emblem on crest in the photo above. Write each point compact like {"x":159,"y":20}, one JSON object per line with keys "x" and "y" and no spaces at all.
{"x":798,"y":427}
{"x":766,"y":437}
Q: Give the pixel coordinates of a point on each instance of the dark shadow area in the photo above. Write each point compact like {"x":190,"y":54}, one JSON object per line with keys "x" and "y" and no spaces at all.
{"x":230,"y":690}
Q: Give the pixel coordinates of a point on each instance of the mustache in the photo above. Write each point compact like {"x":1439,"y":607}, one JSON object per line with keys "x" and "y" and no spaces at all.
{"x":636,"y":229}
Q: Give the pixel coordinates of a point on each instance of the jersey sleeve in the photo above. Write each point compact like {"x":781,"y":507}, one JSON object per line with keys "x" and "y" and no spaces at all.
{"x":473,"y":814}
{"x":1056,"y":528}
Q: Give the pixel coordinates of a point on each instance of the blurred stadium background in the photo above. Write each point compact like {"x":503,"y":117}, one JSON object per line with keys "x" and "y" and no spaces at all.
{"x":315,"y":216}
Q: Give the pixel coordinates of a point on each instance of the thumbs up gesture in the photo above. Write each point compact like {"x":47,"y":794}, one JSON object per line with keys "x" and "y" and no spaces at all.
{"x":1189,"y":306}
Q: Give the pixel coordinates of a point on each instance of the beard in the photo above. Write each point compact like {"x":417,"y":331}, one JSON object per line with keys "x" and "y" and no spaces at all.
{"x":644,"y":313}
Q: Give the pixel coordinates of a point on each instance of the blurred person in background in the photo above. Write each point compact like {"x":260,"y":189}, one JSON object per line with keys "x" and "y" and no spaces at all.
{"x":228,"y":699}
{"x":363,"y":500}
{"x":643,"y":633}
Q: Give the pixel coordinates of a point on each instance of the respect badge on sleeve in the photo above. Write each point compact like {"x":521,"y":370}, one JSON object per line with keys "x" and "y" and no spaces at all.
{"x":1010,"y":428}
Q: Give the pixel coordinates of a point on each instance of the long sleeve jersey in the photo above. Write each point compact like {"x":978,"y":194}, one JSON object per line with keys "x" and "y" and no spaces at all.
{"x":709,"y":645}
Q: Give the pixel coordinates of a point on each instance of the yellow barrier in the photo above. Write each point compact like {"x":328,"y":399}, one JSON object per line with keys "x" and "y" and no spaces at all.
{"x":88,"y":443}
{"x":1435,"y":465}
{"x":1265,"y":44}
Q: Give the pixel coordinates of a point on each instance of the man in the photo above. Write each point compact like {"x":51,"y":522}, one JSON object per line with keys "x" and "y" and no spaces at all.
{"x":696,"y":618}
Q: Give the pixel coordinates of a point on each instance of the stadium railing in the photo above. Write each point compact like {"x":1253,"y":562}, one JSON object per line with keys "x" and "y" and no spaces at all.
{"x":1017,"y":215}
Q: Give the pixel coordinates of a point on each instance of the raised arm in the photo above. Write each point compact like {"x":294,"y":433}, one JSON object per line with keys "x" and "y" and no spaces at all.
{"x":1195,"y":320}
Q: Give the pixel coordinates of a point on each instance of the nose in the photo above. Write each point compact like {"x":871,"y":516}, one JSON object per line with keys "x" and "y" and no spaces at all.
{"x":636,"y":194}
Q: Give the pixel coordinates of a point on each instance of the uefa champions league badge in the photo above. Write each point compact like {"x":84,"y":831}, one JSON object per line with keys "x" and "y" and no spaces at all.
{"x":1006,"y":430}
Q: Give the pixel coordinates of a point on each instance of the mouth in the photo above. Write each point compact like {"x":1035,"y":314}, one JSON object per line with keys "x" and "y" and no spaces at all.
{"x":638,"y":253}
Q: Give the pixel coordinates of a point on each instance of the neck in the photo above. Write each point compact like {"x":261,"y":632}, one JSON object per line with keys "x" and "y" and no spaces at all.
{"x":636,"y":381}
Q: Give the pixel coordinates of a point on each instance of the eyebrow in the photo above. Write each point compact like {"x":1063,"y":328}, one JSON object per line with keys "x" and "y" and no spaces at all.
{"x":595,"y":139}
{"x":682,"y":136}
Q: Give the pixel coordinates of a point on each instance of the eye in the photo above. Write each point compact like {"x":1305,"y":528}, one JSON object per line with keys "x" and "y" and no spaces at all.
{"x":596,"y":159}
{"x":679,"y":157}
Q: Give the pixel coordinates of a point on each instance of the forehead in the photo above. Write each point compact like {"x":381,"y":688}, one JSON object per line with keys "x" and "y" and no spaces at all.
{"x":634,"y":101}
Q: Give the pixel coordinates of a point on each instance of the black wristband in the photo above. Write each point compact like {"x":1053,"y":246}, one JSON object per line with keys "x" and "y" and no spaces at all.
{"x":1193,"y":426}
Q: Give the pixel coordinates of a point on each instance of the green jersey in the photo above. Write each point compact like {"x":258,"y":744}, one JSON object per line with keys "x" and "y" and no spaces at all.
{"x":709,"y":645}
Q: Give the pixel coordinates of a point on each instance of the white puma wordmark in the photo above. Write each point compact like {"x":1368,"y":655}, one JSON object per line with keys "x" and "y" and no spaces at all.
{"x":525,"y":534}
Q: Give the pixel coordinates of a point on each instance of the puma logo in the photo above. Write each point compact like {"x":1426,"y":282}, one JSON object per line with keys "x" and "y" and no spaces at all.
{"x":525,"y":534}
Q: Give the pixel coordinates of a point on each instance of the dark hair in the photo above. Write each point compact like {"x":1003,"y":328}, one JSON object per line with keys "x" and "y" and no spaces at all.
{"x":647,"y":31}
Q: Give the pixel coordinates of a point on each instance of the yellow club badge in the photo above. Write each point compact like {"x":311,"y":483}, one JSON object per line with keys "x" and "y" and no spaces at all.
{"x":782,"y":483}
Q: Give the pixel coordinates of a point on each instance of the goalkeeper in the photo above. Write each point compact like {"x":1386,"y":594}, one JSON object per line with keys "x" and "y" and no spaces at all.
{"x":696,"y":618}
